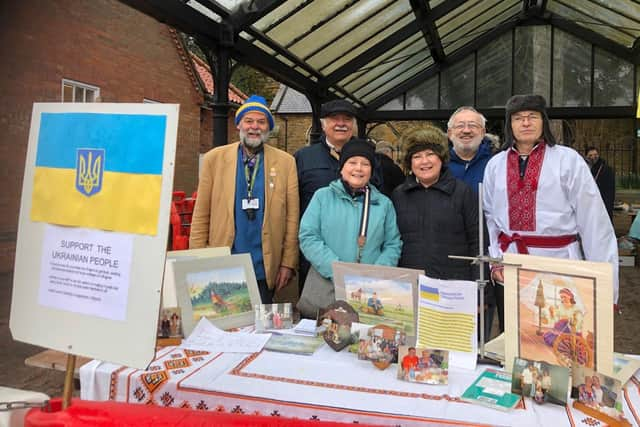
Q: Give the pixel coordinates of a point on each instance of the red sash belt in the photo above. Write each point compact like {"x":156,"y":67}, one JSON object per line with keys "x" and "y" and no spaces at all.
{"x":524,"y":242}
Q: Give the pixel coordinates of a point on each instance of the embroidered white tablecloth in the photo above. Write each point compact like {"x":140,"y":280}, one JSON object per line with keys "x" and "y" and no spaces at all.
{"x":327,"y":386}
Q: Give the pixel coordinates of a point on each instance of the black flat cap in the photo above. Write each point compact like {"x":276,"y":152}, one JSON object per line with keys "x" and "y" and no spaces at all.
{"x":337,"y":106}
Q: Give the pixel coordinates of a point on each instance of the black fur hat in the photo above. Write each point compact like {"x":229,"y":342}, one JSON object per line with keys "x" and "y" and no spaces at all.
{"x":519,"y":103}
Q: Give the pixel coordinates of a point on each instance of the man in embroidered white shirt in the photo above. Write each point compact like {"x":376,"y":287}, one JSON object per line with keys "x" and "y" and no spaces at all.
{"x":540,"y":197}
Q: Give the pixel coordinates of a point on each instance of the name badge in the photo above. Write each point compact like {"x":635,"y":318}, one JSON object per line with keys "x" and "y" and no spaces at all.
{"x":250,"y":204}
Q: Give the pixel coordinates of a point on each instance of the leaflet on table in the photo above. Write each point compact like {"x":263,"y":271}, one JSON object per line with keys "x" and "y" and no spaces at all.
{"x":447,"y":319}
{"x":206,"y":336}
{"x":492,"y":389}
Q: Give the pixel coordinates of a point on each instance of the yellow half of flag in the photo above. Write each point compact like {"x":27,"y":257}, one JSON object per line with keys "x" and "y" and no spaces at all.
{"x":127,"y":202}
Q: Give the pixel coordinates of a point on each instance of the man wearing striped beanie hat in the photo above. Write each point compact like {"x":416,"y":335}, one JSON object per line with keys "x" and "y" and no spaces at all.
{"x":252,"y":207}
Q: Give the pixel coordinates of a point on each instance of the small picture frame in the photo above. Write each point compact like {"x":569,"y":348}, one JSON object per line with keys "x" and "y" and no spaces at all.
{"x":423,"y":365}
{"x":598,"y":395}
{"x":223,"y":289}
{"x":379,"y":294}
{"x":540,"y":381}
{"x":271,"y":317}
{"x":170,"y":323}
{"x":380,"y":345}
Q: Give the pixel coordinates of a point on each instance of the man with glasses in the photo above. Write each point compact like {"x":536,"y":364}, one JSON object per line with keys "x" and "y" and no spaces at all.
{"x":470,"y":151}
{"x":469,"y":154}
{"x":540,"y":197}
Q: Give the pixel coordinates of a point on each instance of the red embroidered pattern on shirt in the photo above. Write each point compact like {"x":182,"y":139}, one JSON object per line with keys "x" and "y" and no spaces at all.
{"x":521,"y":192}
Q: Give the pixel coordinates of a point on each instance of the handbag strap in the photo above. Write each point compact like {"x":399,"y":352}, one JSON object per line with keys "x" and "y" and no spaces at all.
{"x":364,"y":222}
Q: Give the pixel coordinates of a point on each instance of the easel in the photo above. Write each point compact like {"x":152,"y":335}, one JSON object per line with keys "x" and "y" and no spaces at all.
{"x":67,"y":392}
{"x":481,"y":260}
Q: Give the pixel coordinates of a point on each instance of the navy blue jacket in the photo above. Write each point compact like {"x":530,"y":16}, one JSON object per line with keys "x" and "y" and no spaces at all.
{"x":317,"y":168}
{"x":471,"y":172}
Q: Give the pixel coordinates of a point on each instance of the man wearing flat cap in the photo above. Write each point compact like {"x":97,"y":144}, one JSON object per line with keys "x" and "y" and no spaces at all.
{"x":540,"y":198}
{"x":252,"y":207}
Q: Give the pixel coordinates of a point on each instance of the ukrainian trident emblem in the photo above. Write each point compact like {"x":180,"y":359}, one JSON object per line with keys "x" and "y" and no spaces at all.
{"x":89,"y":170}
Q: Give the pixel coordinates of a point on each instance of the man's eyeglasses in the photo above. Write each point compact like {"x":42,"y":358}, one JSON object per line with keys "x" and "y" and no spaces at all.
{"x":470,"y":125}
{"x":528,"y":117}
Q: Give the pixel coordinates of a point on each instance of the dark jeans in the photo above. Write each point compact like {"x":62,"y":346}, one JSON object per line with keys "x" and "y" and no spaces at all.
{"x":266,"y":294}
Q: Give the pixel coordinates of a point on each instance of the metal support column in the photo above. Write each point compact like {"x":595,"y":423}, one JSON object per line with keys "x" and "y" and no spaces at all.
{"x":220,"y":62}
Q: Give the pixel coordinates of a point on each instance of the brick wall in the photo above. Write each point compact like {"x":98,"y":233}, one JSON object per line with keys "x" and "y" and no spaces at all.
{"x":105,"y":43}
{"x":291,"y":132}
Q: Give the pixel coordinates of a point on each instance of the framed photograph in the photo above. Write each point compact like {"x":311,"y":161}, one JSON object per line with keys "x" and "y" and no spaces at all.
{"x":170,"y":323}
{"x":379,"y":294}
{"x":542,"y":382}
{"x":273,"y":316}
{"x":380,"y":345}
{"x":598,"y":395}
{"x":423,"y":365}
{"x":559,"y":311}
{"x":222,"y":289}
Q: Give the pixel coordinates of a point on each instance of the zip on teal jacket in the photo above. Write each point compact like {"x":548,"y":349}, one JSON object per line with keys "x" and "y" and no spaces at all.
{"x":330,"y":224}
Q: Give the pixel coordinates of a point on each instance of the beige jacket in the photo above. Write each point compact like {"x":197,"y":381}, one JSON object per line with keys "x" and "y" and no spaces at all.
{"x":213,"y":217}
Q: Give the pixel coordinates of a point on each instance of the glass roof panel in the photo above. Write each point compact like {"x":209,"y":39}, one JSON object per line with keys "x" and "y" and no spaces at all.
{"x":463,"y":14}
{"x":356,"y":37}
{"x":299,"y":23}
{"x":398,"y":80}
{"x":353,"y":25}
{"x":476,"y":28}
{"x":326,"y":63}
{"x":205,"y":11}
{"x":266,"y":48}
{"x":387,"y":61}
{"x":461,"y":30}
{"x":434,"y":3}
{"x":626,"y":17}
{"x":394,"y":77}
{"x":590,"y":23}
{"x":277,"y":14}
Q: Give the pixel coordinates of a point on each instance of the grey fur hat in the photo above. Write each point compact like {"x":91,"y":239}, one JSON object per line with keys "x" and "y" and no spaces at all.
{"x":519,"y":103}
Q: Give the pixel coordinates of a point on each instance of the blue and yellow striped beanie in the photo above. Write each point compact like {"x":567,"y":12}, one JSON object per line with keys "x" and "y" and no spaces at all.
{"x":255,"y":103}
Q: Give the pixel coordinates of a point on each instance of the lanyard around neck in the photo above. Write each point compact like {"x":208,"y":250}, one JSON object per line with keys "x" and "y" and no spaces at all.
{"x":251,"y":180}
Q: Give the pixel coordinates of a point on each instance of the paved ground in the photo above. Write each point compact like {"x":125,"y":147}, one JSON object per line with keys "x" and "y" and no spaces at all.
{"x":13,"y":372}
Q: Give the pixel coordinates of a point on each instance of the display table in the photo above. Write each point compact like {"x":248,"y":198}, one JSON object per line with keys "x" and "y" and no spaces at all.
{"x":327,"y":386}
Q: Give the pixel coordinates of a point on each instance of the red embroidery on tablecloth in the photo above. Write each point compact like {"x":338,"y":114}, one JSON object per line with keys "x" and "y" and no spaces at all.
{"x":521,"y":192}
{"x":191,"y":353}
{"x":177,"y":363}
{"x":113,"y":383}
{"x":153,"y":380}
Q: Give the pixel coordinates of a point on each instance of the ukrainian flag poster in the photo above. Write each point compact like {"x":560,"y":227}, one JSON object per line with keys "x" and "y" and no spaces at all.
{"x":93,"y":229}
{"x":100,"y":171}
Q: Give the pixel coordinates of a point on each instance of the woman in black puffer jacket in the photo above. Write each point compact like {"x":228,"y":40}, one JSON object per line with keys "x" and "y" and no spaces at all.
{"x":437,"y":214}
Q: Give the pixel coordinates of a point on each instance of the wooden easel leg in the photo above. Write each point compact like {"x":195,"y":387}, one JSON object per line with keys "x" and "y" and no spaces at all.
{"x":68,"y":381}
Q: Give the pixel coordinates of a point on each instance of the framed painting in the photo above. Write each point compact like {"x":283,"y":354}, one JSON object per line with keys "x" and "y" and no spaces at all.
{"x":169,"y":297}
{"x":379,"y":294}
{"x":223,"y":289}
{"x":559,"y":311}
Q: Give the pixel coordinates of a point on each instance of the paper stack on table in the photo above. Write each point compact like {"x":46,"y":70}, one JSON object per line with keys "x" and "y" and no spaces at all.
{"x":206,"y":336}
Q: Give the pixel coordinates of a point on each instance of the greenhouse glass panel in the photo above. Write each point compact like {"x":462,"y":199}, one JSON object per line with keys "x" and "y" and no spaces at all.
{"x":571,"y":71}
{"x":456,"y":84}
{"x":612,"y":80}
{"x":592,"y":23}
{"x":532,"y":61}
{"x":494,"y":72}
{"x":424,"y":96}
{"x":393,"y":105}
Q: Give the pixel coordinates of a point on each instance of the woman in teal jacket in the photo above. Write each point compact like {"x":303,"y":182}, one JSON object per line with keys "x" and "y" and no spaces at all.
{"x":330,"y":226}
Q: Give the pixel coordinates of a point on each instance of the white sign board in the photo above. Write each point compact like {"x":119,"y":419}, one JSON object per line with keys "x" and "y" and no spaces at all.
{"x":94,"y":220}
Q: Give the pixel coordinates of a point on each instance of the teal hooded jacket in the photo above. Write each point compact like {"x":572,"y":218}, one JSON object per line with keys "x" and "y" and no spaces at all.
{"x":330,"y":225}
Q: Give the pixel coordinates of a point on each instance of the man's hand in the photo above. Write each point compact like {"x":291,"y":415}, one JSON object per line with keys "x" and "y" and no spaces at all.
{"x":497,"y":273}
{"x":282,"y":278}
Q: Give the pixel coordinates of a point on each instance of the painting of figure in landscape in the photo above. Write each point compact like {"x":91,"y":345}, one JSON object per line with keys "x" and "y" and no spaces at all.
{"x":218,"y":292}
{"x":379,"y":300}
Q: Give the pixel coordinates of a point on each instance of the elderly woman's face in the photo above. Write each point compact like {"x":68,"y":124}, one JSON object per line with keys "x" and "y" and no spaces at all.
{"x":426,"y":166}
{"x":356,"y":171}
